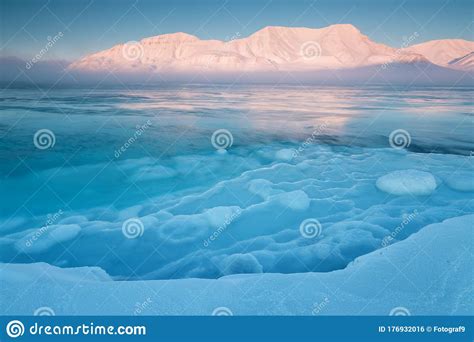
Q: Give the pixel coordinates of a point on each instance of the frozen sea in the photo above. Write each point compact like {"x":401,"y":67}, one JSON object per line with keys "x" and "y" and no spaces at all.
{"x":204,"y":181}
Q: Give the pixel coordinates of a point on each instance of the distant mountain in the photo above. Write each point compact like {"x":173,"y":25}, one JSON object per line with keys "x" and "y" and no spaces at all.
{"x":334,"y":47}
{"x":334,"y":55}
{"x":443,"y":52}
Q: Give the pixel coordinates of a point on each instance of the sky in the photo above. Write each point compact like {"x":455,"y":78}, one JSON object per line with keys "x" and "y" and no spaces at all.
{"x":88,"y":26}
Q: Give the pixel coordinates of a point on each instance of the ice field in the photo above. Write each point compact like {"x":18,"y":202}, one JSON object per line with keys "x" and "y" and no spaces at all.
{"x":312,"y":207}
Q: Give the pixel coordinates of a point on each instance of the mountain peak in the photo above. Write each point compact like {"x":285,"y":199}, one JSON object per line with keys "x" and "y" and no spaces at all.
{"x":178,"y":36}
{"x":347,"y":28}
{"x":273,"y":31}
{"x":443,"y":51}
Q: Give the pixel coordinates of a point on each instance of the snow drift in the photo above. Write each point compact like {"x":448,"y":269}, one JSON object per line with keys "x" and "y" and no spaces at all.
{"x":412,"y":274}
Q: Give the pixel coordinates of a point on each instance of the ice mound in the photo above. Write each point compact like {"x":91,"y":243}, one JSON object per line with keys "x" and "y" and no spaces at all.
{"x":461,"y":181}
{"x":285,"y":154}
{"x":208,"y":215}
{"x":407,"y":182}
{"x":188,"y":228}
{"x":42,"y":239}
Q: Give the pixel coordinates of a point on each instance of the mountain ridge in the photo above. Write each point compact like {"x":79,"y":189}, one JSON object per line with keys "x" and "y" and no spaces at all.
{"x":272,"y":48}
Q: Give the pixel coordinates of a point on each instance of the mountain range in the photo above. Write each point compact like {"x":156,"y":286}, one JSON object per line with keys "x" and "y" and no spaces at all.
{"x":274,"y":48}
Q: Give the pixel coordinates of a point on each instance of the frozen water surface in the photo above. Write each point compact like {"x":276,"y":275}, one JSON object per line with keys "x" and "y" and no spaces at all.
{"x":298,"y":155}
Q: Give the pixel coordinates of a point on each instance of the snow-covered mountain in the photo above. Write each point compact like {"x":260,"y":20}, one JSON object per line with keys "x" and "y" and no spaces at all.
{"x":465,"y":62}
{"x":339,"y":46}
{"x":444,"y":52}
